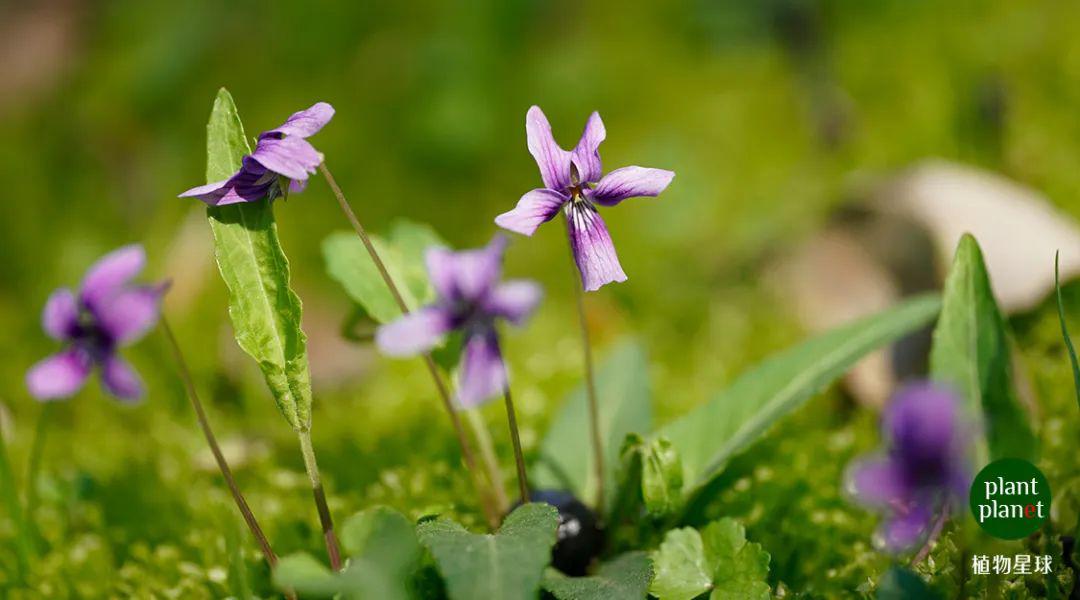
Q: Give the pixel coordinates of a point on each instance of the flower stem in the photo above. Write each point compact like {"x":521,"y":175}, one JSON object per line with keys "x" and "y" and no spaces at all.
{"x":37,"y":449}
{"x":491,"y":463}
{"x":211,"y":440}
{"x":590,"y":382}
{"x":312,"y":467}
{"x":486,"y":504}
{"x":939,"y":523}
{"x":519,"y":459}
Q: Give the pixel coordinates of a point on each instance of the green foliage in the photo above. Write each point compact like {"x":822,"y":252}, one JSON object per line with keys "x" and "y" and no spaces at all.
{"x":507,"y":564}
{"x":383,"y":553}
{"x":719,"y":558}
{"x":659,"y":472}
{"x":264,"y":310}
{"x":971,"y":353}
{"x":902,"y":584}
{"x":709,"y":435}
{"x":402,"y":252}
{"x":1065,"y":331}
{"x":623,"y":394}
{"x":626,"y":577}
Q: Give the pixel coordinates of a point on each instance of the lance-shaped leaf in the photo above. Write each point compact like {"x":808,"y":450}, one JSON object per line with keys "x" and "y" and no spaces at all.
{"x":566,"y":456}
{"x":264,"y":310}
{"x":507,"y":564}
{"x":624,"y":578}
{"x":709,"y":435}
{"x":402,"y":252}
{"x":970,"y":353}
{"x":1065,"y":332}
{"x":718,"y":559}
{"x":383,"y":551}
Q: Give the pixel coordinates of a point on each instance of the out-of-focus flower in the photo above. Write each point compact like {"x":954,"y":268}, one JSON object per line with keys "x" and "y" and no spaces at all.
{"x":282,"y":153}
{"x":924,"y":468}
{"x":573,"y":180}
{"x":108,"y":312}
{"x":470,"y":299}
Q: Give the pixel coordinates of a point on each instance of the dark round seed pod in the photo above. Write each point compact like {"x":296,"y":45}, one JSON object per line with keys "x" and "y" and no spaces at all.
{"x":580,"y":538}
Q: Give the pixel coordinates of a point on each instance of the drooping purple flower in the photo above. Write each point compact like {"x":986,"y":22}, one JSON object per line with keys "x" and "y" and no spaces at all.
{"x":469,"y":299}
{"x":282,"y":153}
{"x":107,"y":313}
{"x":573,"y":182}
{"x":923,"y":469}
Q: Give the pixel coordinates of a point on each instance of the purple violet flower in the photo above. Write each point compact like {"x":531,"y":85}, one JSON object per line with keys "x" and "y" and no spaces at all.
{"x":279,"y":153}
{"x":573,"y":180}
{"x":470,"y":299}
{"x":924,"y":468}
{"x":107,"y":313}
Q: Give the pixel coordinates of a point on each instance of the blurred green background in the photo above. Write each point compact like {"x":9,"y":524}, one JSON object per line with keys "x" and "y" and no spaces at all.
{"x":769,"y":112}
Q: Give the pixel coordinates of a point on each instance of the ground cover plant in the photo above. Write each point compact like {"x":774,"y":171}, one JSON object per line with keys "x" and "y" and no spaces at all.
{"x":517,"y":414}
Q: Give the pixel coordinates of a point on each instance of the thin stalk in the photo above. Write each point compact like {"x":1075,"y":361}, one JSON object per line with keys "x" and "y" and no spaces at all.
{"x":332,"y":549}
{"x":491,"y":463}
{"x":939,"y":523}
{"x":519,"y":459}
{"x":590,"y":381}
{"x":490,"y":511}
{"x":211,"y":440}
{"x":24,"y":547}
{"x":33,"y":467}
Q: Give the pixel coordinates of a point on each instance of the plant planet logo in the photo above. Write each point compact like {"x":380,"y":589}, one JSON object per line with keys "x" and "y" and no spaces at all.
{"x":1010,"y":498}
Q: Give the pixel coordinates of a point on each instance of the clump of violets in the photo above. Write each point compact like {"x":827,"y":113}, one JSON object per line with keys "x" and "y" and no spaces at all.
{"x":470,"y":300}
{"x":282,"y":161}
{"x":574,"y":182}
{"x":107,"y":313}
{"x":923,"y":471}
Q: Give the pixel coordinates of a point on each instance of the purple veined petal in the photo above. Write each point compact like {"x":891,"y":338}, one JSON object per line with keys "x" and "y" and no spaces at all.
{"x":129,"y":314}
{"x":468,"y":275}
{"x":416,"y":332}
{"x":110,"y":273}
{"x":630,"y":182}
{"x":482,"y":374}
{"x":533,"y":209}
{"x":58,"y":376}
{"x":514,"y":300}
{"x":876,"y":482}
{"x":292,"y":157}
{"x":297,"y":185}
{"x":593,"y":250}
{"x":922,"y":423}
{"x":904,"y":528}
{"x":586,"y":155}
{"x":304,"y":123}
{"x":60,"y":316}
{"x":554,"y":162}
{"x":120,"y":379}
{"x":209,"y":193}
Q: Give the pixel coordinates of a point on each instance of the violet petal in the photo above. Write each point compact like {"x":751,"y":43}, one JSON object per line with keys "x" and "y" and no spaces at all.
{"x":592,"y":247}
{"x":413,"y":333}
{"x":468,"y":275}
{"x":630,"y":182}
{"x":876,"y":482}
{"x":533,"y":209}
{"x":129,"y":314}
{"x":110,"y":273}
{"x":58,"y":376}
{"x":586,"y":155}
{"x":554,"y":162}
{"x":514,"y":300}
{"x":482,"y":373}
{"x":904,"y":528}
{"x":61,"y":314}
{"x":292,"y":157}
{"x":304,"y":123}
{"x":120,"y":379}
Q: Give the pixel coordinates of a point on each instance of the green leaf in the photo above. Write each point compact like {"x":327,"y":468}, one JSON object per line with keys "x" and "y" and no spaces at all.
{"x":970,"y":352}
{"x":402,"y":251}
{"x":708,"y":436}
{"x":623,"y":395}
{"x":1065,"y":332}
{"x":383,"y":551}
{"x":264,"y":310}
{"x":661,"y":477}
{"x":899,"y":583}
{"x":507,"y":565}
{"x":624,"y":578}
{"x":719,"y":558}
